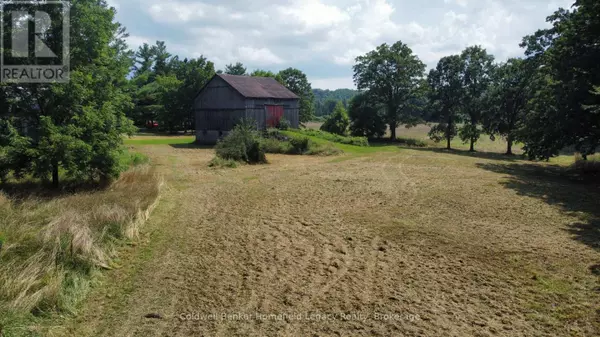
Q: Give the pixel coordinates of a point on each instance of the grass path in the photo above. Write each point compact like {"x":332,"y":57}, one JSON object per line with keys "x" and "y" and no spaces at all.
{"x":410,"y":242}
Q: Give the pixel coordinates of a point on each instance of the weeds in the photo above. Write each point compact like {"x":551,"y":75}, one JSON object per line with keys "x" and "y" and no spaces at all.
{"x":356,"y":141}
{"x":52,"y":248}
{"x":218,"y":162}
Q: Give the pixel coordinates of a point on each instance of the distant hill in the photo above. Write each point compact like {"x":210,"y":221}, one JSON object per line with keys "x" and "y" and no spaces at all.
{"x":325,"y":100}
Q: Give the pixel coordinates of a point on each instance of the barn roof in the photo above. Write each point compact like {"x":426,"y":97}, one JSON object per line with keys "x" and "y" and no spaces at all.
{"x":258,"y":87}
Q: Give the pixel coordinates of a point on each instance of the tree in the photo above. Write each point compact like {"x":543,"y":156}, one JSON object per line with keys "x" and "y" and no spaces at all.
{"x":478,"y":67}
{"x":265,"y":73}
{"x":194,"y":75}
{"x":338,"y":122}
{"x":235,"y":69}
{"x":392,"y":75}
{"x":326,"y":100}
{"x":366,"y":117}
{"x":161,"y":58}
{"x":145,"y":58}
{"x":567,"y":54}
{"x":75,"y":127}
{"x":165,"y":92}
{"x":507,"y":100}
{"x":297,"y":82}
{"x":445,"y":95}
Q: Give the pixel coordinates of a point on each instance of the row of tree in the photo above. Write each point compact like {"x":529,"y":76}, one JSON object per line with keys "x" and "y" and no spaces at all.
{"x":547,"y":101}
{"x":326,"y":100}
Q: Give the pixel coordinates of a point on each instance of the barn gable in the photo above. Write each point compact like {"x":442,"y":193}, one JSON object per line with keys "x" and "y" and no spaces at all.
{"x":228,"y":98}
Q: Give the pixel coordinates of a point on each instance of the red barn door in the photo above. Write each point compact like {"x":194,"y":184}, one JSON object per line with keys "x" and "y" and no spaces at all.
{"x":274,"y":115}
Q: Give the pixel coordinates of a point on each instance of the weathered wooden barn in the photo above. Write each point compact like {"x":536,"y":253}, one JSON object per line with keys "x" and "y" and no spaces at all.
{"x":226,"y":99}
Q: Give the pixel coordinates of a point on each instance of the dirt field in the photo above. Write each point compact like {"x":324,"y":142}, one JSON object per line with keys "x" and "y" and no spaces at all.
{"x":408,"y":243}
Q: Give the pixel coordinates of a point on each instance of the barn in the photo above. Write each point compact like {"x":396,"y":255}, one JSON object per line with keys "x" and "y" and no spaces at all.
{"x":228,"y":98}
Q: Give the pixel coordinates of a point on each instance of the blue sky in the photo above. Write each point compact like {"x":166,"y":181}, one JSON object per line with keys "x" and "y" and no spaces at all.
{"x":323,"y":37}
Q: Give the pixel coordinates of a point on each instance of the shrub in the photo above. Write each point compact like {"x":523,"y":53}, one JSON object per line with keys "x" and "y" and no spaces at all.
{"x":284,"y":124}
{"x":242,"y":144}
{"x":300,"y":144}
{"x":338,"y":122}
{"x":356,"y":141}
{"x":274,"y":145}
{"x":272,"y":133}
{"x":219,"y":162}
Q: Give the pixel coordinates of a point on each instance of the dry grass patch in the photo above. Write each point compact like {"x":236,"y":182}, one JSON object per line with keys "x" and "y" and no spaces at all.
{"x":51,"y":248}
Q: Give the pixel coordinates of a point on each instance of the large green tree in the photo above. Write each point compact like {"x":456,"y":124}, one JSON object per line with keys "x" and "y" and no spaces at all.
{"x":478,"y":67}
{"x":507,"y":100}
{"x":366,"y":117}
{"x":446,"y":97}
{"x":164,"y":91}
{"x":265,"y":73}
{"x":235,"y":69}
{"x":297,"y":82}
{"x":392,"y":75}
{"x":567,"y":54}
{"x":74,"y":127}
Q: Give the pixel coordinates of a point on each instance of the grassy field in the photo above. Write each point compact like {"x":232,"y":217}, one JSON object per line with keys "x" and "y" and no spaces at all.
{"x":382,"y":240}
{"x":420,"y":132}
{"x":390,"y":241}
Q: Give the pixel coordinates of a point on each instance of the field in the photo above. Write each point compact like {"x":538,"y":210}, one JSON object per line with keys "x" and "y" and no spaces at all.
{"x":419,"y":132}
{"x":395,"y":242}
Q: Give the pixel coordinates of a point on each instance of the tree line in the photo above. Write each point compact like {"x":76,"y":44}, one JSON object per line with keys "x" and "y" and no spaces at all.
{"x":548,"y":100}
{"x":326,"y":100}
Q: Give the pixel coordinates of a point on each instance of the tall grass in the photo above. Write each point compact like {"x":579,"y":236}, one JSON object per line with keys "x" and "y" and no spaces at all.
{"x":356,"y":141}
{"x":51,"y":249}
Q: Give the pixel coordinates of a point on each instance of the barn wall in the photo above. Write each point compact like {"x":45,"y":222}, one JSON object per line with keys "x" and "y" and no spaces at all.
{"x":218,"y":108}
{"x":219,"y":95}
{"x":256,"y":110}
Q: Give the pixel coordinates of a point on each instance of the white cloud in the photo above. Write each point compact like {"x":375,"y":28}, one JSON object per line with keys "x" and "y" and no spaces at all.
{"x":325,"y":36}
{"x":332,"y":83}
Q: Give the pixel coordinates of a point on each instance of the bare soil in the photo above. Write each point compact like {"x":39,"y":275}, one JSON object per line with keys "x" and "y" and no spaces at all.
{"x":410,"y":243}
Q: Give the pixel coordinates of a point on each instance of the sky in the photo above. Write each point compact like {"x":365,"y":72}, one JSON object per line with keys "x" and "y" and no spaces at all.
{"x":323,"y":37}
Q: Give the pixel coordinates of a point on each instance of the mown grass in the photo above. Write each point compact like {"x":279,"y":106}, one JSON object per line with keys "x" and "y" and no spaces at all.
{"x":52,"y":249}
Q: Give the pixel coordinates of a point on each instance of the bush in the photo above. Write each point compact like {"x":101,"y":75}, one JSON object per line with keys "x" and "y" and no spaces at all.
{"x":300,"y":144}
{"x":272,"y":133}
{"x":284,"y":124}
{"x":338,"y":122}
{"x":411,"y":142}
{"x":274,"y":145}
{"x":356,"y":141}
{"x":242,"y":144}
{"x":218,"y":162}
